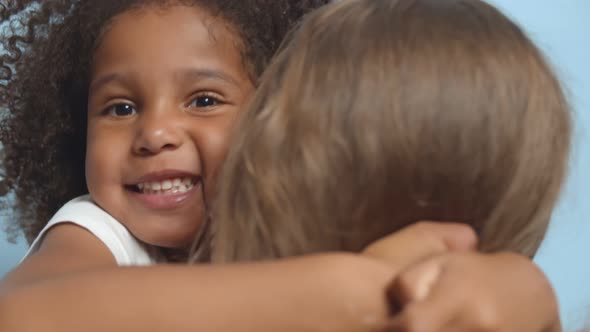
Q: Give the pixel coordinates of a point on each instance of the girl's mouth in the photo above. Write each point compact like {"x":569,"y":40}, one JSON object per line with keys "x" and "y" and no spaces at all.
{"x":166,"y":192}
{"x":170,"y":186}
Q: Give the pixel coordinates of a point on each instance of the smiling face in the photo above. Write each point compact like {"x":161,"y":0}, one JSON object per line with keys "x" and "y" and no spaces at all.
{"x":167,"y":85}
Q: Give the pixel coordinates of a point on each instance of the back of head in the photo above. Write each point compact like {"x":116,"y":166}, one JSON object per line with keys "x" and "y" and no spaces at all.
{"x":380,"y":113}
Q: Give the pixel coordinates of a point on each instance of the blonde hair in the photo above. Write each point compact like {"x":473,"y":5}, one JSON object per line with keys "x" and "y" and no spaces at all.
{"x":380,"y":113}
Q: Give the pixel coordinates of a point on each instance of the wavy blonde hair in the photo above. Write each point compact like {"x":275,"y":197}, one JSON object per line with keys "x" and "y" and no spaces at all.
{"x":380,"y":113}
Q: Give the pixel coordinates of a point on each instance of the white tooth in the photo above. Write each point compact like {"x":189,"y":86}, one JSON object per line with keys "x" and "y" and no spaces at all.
{"x":166,"y":185}
{"x":182,"y":189}
{"x":187,"y":181}
{"x":177,"y":182}
{"x":156,"y":186}
{"x":190,"y":186}
{"x":140,"y":186}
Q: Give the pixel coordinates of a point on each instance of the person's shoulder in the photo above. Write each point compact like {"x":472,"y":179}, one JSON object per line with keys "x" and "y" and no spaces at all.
{"x":63,"y":249}
{"x":82,"y":217}
{"x":79,"y":207}
{"x":83,"y":228}
{"x":79,"y":229}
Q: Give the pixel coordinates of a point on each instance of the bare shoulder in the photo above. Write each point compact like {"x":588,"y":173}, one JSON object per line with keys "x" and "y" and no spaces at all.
{"x":65,"y":249}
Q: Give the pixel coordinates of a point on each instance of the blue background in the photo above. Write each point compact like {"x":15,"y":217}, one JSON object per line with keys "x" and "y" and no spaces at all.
{"x":561,"y":29}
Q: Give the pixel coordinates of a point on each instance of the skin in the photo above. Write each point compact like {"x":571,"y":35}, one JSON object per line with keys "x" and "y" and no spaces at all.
{"x":463,"y":291}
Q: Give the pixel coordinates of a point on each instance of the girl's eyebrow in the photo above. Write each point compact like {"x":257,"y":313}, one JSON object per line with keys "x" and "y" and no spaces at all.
{"x":198,"y":74}
{"x":186,"y":75}
{"x":101,"y":81}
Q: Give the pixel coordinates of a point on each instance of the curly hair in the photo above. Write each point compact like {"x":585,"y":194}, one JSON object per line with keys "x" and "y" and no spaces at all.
{"x":44,"y":77}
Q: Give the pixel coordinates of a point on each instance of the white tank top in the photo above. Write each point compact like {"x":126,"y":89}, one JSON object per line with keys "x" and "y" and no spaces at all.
{"x":82,"y":211}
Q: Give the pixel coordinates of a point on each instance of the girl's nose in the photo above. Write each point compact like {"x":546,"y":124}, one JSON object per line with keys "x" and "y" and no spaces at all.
{"x":157,"y":133}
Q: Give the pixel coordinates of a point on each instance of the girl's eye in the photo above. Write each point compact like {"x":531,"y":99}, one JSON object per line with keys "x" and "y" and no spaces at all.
{"x":204,"y":101}
{"x":121,"y":110}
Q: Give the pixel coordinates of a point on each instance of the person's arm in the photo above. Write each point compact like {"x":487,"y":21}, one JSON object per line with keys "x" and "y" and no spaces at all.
{"x":73,"y":284}
{"x":334,"y":292}
{"x":331,"y":292}
{"x":474,"y":292}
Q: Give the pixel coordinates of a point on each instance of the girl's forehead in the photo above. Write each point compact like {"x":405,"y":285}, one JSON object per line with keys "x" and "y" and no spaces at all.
{"x":165,"y":37}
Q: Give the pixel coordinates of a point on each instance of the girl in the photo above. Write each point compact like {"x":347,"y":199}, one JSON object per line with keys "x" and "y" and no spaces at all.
{"x":379,"y":113}
{"x":426,"y":110}
{"x":144,"y":93}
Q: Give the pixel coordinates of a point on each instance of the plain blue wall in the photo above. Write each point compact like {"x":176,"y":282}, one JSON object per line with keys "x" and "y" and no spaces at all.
{"x":561,"y":29}
{"x":10,"y":254}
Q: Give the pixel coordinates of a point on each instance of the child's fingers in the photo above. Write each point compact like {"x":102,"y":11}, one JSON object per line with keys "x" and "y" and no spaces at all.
{"x":422,"y":240}
{"x":473,"y":292}
{"x":455,"y":236}
{"x":426,"y":301}
{"x":415,"y":283}
{"x":446,"y":293}
{"x":447,"y":310}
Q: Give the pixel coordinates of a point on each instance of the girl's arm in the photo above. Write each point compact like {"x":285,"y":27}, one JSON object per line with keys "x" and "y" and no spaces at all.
{"x":73,"y":284}
{"x":334,"y":292}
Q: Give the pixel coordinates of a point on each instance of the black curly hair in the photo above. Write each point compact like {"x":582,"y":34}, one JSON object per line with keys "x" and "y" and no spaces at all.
{"x":44,"y":77}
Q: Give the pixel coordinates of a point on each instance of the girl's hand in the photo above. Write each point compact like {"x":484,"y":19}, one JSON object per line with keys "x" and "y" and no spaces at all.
{"x":474,"y":292}
{"x":420,"y":241}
